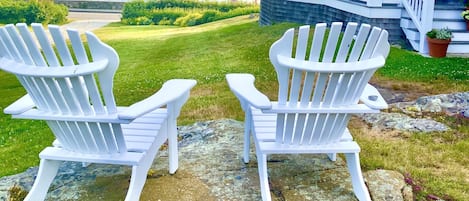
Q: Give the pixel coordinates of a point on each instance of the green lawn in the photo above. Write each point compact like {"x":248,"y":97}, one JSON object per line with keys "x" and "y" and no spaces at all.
{"x":152,"y":54}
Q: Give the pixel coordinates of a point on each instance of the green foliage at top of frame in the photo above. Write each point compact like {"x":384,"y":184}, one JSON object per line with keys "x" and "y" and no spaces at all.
{"x":181,"y":12}
{"x":29,"y":11}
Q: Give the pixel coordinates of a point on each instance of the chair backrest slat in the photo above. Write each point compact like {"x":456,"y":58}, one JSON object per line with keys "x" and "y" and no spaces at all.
{"x":82,"y":95}
{"x":307,"y":88}
{"x":332,"y":42}
{"x":303,"y":87}
{"x":20,"y":45}
{"x":61,"y":46}
{"x":98,"y":137}
{"x":319,"y":89}
{"x":109,"y":139}
{"x":32,"y":46}
{"x":56,"y":128}
{"x":318,"y":39}
{"x":10,"y":49}
{"x":44,"y":42}
{"x":347,"y":40}
{"x":95,"y":97}
{"x":371,"y":43}
{"x":45,"y":94}
{"x":57,"y":96}
{"x":77,"y":45}
{"x":359,"y":42}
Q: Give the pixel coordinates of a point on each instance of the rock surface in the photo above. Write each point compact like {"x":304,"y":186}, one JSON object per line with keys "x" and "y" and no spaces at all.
{"x":211,"y":168}
{"x":410,"y":117}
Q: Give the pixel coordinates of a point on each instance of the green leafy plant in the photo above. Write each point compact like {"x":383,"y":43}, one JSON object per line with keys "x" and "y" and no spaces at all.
{"x":465,"y":14}
{"x":29,"y":11}
{"x":441,"y":34}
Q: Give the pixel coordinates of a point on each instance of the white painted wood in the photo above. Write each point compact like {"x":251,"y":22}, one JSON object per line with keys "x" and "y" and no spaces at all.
{"x":363,"y":10}
{"x":421,"y":12}
{"x":88,"y":126}
{"x":317,"y":96}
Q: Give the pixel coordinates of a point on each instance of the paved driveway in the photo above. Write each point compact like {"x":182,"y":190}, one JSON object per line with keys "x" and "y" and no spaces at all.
{"x":88,"y":21}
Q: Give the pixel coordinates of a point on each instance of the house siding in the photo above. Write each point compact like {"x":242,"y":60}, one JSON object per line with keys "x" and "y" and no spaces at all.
{"x":274,"y":11}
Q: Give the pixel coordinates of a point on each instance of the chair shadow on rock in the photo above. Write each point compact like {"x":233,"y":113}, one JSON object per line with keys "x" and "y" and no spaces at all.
{"x":74,"y":95}
{"x":321,"y":84}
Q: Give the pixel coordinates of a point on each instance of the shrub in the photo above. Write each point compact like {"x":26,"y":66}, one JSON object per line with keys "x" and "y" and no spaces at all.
{"x":169,"y":15}
{"x":29,"y":11}
{"x":189,"y":20}
{"x":138,"y":21}
{"x":183,"y":12}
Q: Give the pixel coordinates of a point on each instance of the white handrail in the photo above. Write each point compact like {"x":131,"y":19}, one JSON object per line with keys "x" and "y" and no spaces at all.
{"x":421,"y":13}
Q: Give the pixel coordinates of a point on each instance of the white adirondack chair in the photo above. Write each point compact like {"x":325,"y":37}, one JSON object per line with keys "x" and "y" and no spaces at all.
{"x":73,"y":94}
{"x":317,"y":95}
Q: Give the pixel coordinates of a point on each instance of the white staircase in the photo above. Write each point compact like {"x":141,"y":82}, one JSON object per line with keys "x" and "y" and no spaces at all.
{"x":443,"y":16}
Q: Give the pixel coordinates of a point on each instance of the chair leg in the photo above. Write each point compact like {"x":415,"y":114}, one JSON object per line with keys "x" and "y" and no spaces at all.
{"x":359,"y":187}
{"x":332,"y":156}
{"x":47,"y":171}
{"x":172,"y":146}
{"x":137,"y":181}
{"x":247,"y":139}
{"x":263,"y":177}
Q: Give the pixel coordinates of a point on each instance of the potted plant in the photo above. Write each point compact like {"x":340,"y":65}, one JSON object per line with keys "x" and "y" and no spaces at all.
{"x":438,"y":41}
{"x":465,"y":16}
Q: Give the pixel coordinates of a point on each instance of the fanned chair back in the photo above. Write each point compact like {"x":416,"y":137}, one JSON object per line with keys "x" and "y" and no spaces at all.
{"x":304,"y":87}
{"x":77,"y":86}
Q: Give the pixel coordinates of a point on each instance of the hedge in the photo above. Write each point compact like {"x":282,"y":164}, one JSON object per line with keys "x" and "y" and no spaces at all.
{"x":29,"y":11}
{"x":181,"y":12}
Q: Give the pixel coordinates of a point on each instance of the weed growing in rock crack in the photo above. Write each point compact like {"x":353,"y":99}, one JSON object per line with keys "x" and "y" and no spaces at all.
{"x":16,"y":193}
{"x":419,"y":191}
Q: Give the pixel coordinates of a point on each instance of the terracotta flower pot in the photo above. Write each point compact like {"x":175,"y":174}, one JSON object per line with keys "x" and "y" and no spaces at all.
{"x":437,"y":47}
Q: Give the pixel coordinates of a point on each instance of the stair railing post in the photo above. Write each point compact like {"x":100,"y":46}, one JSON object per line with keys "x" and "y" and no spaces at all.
{"x":428,"y":8}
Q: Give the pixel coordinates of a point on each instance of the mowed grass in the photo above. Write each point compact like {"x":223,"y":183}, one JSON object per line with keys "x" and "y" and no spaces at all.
{"x":150,"y":55}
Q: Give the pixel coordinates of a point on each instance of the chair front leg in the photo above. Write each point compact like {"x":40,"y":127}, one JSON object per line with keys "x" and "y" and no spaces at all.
{"x":247,"y":132}
{"x":45,"y":175}
{"x":172,"y":145}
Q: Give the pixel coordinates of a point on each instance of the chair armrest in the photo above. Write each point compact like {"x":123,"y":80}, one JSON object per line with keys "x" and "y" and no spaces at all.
{"x":372,"y":98}
{"x":242,"y":85}
{"x":171,"y":91}
{"x":21,"y":105}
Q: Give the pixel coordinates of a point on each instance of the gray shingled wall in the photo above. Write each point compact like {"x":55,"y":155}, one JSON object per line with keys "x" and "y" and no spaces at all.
{"x":274,"y":11}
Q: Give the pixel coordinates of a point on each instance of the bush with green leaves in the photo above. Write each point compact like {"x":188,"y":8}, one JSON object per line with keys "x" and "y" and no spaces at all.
{"x":29,"y":11}
{"x":183,"y":12}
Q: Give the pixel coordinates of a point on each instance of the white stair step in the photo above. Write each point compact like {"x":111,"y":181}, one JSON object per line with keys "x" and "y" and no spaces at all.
{"x":457,"y":25}
{"x":440,"y":14}
{"x":460,"y":37}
